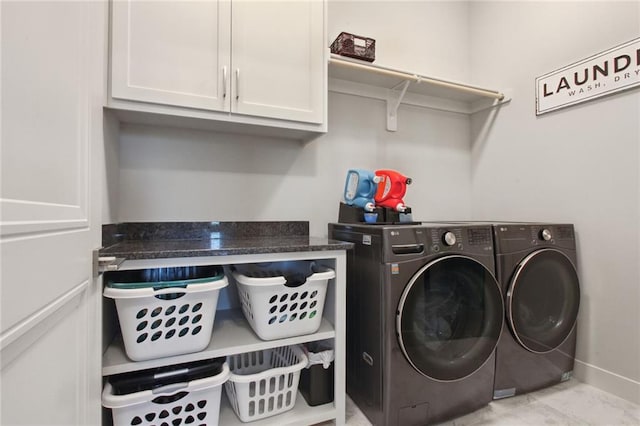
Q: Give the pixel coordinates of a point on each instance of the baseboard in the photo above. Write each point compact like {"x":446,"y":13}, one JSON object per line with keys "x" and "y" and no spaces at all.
{"x":607,"y":381}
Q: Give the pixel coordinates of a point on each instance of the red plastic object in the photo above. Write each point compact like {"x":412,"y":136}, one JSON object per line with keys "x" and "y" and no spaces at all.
{"x":391,"y":189}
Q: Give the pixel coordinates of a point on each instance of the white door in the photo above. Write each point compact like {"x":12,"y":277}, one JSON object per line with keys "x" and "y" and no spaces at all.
{"x":171,"y":52}
{"x":278,"y":59}
{"x":53,"y":74}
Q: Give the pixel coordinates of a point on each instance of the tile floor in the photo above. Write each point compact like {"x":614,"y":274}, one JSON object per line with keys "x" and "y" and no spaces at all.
{"x":569,"y":403}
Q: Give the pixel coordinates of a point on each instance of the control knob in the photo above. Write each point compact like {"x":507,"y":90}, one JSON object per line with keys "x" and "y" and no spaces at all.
{"x":449,"y":238}
{"x":545,"y":234}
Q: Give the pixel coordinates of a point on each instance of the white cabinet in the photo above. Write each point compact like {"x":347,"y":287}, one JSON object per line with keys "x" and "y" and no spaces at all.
{"x":227,"y":60}
{"x":232,"y":334}
{"x":172,"y":53}
{"x":277,"y":55}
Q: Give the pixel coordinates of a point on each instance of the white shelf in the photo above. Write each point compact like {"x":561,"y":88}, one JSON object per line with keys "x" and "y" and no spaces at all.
{"x":356,"y":77}
{"x":300,"y":414}
{"x":377,"y":75}
{"x":231,"y":334}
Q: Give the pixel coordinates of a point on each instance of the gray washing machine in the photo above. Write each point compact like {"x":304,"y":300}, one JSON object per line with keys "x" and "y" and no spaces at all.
{"x":424,"y":315}
{"x":536,"y":266}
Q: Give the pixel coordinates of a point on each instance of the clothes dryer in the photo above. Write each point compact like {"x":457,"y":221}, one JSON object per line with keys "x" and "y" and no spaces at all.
{"x":536,"y":266}
{"x":424,"y":314}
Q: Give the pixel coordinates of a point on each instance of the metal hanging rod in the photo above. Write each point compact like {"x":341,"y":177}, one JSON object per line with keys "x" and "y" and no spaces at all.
{"x":338,"y":60}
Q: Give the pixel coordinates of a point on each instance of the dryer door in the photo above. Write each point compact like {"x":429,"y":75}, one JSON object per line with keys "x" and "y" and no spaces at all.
{"x":449,"y":318}
{"x":543,"y":300}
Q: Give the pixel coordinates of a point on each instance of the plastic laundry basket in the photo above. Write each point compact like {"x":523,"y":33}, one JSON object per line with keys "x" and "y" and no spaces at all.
{"x":264,"y":383}
{"x":166,"y":311}
{"x":194,"y":402}
{"x":282,"y":299}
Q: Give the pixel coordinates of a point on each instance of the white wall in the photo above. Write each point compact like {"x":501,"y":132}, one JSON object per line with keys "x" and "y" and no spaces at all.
{"x":110,"y":170}
{"x":426,"y":37}
{"x":173,"y":174}
{"x":577,"y":165}
{"x":169,"y":174}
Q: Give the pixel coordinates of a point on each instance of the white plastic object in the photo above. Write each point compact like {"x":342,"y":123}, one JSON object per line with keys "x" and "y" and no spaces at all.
{"x":178,"y":322}
{"x":264,"y":383}
{"x":277,"y":308}
{"x":195,"y":402}
{"x":325,"y":358}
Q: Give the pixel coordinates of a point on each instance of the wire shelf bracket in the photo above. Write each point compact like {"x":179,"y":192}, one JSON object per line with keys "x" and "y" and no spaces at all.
{"x":394,"y":100}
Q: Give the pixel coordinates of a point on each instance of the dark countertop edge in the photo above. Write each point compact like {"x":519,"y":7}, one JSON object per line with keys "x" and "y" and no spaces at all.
{"x":158,"y":252}
{"x":163,"y":240}
{"x":230,"y":252}
{"x":113,"y":234}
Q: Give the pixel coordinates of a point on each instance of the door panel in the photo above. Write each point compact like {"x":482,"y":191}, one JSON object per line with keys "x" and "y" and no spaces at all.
{"x":27,"y":288}
{"x":46,"y":243}
{"x":43,"y":180}
{"x":53,"y":74}
{"x":171,"y":53}
{"x":543,"y":300}
{"x":49,"y":372}
{"x":282,"y":66}
{"x":449,"y":318}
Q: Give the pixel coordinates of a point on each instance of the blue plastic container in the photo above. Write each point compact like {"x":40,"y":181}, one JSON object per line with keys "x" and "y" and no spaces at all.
{"x":360,"y":189}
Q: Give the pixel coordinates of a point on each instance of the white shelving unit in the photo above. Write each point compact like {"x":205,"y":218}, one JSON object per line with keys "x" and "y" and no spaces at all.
{"x":396,"y":87}
{"x":232,"y":334}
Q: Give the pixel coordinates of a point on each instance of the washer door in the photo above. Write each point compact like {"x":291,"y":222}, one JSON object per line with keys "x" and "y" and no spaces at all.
{"x":543,"y":300}
{"x":449,"y":318}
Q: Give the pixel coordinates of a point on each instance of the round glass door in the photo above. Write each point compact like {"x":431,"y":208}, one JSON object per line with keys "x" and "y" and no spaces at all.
{"x":449,"y":318}
{"x":543,"y":300}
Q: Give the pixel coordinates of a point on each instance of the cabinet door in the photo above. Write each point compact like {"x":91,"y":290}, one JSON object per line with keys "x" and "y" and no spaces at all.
{"x":170,"y":52}
{"x":50,"y":310}
{"x":278,"y":59}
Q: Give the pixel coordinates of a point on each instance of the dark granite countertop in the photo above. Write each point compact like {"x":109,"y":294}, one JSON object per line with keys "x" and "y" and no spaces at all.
{"x":158,"y":240}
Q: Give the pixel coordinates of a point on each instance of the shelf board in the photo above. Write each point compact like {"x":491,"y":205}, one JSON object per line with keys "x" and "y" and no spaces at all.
{"x":300,"y":414}
{"x":356,"y":77}
{"x":231,"y":334}
{"x":376,"y":75}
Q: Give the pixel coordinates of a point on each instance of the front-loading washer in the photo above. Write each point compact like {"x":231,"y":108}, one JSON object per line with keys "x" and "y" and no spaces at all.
{"x":536,"y":267}
{"x":424,"y":314}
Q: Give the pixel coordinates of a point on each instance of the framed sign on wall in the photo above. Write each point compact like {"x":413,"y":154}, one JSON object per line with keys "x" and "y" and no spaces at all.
{"x":605,"y":73}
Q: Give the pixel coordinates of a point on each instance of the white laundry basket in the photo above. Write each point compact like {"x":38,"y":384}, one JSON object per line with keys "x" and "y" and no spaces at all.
{"x":194,"y":402}
{"x":264,"y":383}
{"x":282,"y":299}
{"x":166,"y":311}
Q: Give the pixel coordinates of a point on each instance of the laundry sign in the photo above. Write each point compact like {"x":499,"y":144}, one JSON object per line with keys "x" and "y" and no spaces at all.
{"x":612,"y":71}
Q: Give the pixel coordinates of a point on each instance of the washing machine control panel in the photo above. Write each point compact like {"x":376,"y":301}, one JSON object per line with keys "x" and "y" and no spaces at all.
{"x":467,"y":239}
{"x":407,"y":242}
{"x":511,"y":237}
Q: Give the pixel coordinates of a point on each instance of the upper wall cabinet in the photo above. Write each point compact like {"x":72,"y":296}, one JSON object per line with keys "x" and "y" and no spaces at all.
{"x":171,"y":53}
{"x":259,"y":62}
{"x":278,"y":59}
